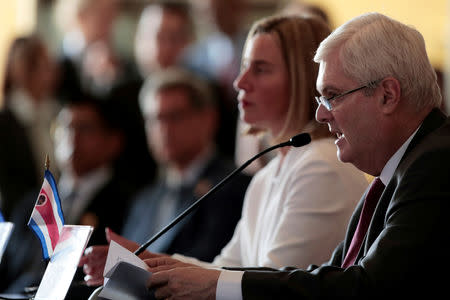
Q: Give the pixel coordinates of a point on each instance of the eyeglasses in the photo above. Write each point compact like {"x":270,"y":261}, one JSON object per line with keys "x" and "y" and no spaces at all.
{"x":327,"y":101}
{"x":172,"y":117}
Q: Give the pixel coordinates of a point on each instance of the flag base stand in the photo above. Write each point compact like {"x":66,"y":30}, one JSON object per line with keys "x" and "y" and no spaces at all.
{"x":16,"y":297}
{"x":94,"y":295}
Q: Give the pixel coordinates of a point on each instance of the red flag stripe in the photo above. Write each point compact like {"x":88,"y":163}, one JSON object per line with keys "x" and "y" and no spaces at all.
{"x":46,"y":212}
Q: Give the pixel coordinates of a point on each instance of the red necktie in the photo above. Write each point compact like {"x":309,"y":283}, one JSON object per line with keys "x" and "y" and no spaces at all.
{"x":372,"y":197}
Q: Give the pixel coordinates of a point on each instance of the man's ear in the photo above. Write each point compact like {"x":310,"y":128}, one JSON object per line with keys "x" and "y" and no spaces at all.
{"x":391,"y":93}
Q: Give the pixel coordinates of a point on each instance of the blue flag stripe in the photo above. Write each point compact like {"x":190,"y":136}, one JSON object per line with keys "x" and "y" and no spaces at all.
{"x":39,"y":234}
{"x":51,"y":180}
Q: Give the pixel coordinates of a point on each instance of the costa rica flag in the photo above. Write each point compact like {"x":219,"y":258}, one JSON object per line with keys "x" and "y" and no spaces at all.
{"x":47,"y":218}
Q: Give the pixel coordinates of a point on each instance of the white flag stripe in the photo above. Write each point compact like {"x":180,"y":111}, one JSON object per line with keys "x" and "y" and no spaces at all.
{"x":47,"y":187}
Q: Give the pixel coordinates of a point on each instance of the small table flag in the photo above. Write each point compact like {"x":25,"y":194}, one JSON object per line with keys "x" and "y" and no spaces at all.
{"x":47,"y":218}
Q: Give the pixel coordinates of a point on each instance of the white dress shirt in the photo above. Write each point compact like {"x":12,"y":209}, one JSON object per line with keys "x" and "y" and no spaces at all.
{"x":77,"y":193}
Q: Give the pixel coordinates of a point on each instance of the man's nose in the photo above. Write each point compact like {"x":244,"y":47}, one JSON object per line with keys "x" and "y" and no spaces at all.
{"x":323,"y":115}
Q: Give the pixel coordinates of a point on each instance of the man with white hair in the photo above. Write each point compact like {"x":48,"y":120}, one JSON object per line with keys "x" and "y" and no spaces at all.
{"x":381,"y":98}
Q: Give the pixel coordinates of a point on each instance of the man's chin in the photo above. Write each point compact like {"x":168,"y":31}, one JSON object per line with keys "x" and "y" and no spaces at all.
{"x":341,"y":156}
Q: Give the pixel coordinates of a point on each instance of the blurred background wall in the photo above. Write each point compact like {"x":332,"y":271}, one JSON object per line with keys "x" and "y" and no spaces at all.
{"x":429,"y":17}
{"x":17,"y":17}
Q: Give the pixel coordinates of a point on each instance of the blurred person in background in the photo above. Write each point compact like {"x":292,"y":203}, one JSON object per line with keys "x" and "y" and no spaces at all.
{"x":88,"y":141}
{"x":82,"y":22}
{"x":101,"y":69}
{"x":103,"y":78}
{"x":164,"y":29}
{"x":217,"y":57}
{"x":181,"y":120}
{"x":25,"y":119}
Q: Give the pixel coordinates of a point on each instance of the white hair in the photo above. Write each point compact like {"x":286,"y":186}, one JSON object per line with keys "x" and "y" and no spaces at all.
{"x":373,"y":46}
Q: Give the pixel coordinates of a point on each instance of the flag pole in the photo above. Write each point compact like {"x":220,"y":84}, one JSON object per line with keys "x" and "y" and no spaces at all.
{"x":47,"y":162}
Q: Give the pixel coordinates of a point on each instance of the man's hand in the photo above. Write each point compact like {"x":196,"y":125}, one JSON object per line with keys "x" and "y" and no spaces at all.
{"x":93,"y":262}
{"x":94,"y":258}
{"x":165,"y":263}
{"x":185,"y":283}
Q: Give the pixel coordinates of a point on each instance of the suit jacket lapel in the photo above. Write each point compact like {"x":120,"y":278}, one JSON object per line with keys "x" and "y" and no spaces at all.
{"x":185,"y":198}
{"x":434,"y":120}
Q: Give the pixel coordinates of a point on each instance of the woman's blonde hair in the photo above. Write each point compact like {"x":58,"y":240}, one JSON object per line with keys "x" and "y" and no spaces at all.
{"x":299,"y":37}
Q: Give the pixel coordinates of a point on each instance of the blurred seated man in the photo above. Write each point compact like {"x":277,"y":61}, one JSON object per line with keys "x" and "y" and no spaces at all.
{"x":88,"y":140}
{"x":82,"y":23}
{"x":181,"y":119}
{"x":217,"y":56}
{"x":164,"y":29}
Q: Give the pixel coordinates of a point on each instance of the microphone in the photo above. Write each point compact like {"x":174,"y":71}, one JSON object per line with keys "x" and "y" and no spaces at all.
{"x":298,"y":140}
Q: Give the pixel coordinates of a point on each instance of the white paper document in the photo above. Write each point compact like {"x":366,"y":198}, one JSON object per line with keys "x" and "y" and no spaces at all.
{"x":117,"y":253}
{"x":125,"y":275}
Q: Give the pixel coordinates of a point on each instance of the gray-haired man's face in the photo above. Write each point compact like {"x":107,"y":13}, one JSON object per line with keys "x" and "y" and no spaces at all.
{"x":176,"y":131}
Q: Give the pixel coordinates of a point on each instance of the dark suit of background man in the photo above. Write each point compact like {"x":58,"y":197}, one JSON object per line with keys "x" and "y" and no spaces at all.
{"x":380,"y":96}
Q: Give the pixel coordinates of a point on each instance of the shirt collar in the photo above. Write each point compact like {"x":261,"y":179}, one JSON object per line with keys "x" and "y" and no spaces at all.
{"x":388,"y":171}
{"x":175,"y":178}
{"x":85,"y":184}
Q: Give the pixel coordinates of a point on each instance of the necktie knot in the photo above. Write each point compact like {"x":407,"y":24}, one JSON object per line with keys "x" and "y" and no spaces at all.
{"x":375,"y":190}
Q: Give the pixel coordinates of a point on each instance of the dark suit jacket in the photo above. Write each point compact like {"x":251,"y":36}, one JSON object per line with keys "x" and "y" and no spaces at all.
{"x":69,"y":82}
{"x":18,"y":168}
{"x":203,"y":233}
{"x":136,"y":159}
{"x":107,"y":208}
{"x":405,"y":252}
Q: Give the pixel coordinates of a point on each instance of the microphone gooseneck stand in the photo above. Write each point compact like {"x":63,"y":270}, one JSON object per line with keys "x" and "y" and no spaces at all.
{"x":296,"y":141}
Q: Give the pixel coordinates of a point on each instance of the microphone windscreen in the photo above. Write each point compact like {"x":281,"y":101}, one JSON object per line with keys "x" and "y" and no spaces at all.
{"x":301,"y":139}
